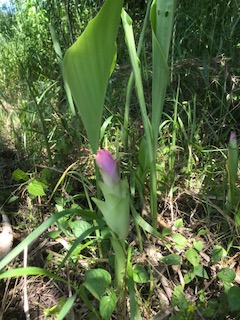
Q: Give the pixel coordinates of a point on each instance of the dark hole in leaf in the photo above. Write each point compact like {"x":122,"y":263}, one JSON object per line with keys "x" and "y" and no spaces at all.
{"x":166,"y":14}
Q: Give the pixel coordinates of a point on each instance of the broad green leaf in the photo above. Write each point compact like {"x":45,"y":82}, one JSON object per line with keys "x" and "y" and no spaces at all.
{"x":79,"y":226}
{"x":200,"y":271}
{"x":97,"y":282}
{"x":180,"y":241}
{"x":140,"y":275}
{"x":166,"y":231}
{"x":234,"y":298}
{"x":193,"y":257}
{"x":53,"y":234}
{"x":162,"y":17}
{"x":198,"y":245}
{"x":202,"y":232}
{"x":171,"y":259}
{"x":46,"y":174}
{"x":36,"y":188}
{"x":188,"y":277}
{"x":226,"y":274}
{"x":87,"y":66}
{"x":179,"y":299}
{"x":107,"y":305}
{"x":178,"y":223}
{"x":18,"y":175}
{"x":218,"y":253}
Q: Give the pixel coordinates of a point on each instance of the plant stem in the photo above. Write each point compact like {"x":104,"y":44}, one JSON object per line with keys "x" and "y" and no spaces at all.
{"x":119,"y":264}
{"x":153,"y":191}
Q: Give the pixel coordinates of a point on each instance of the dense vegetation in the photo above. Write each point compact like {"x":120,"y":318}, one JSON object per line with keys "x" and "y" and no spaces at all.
{"x":186,"y":266}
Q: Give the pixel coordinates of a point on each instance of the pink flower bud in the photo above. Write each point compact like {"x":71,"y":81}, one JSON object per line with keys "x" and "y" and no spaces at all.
{"x":108,"y":167}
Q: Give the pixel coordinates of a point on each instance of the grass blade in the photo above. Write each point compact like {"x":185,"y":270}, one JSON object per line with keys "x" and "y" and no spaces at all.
{"x":36,"y":233}
{"x":66,"y":308}
{"x":31,"y":271}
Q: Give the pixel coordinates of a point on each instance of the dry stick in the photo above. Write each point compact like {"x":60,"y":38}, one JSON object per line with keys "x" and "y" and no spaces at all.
{"x":71,"y":312}
{"x":25,"y":295}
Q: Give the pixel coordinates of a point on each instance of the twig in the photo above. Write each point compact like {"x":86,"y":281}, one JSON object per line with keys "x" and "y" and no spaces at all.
{"x":25,"y":295}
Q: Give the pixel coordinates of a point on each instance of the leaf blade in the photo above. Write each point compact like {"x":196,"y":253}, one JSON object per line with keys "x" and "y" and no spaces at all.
{"x":88,"y":63}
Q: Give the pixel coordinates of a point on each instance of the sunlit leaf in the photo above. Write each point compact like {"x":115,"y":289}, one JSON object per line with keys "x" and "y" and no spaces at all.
{"x":18,"y":175}
{"x":198,"y":245}
{"x":97,"y":281}
{"x":200,"y":271}
{"x":178,"y":298}
{"x":188,"y":277}
{"x":36,"y":188}
{"x":79,"y":226}
{"x":87,"y":66}
{"x":140,"y":275}
{"x":226,"y":274}
{"x":193,"y":257}
{"x":202,"y":232}
{"x":107,"y":305}
{"x":171,"y":259}
{"x":178,"y":223}
{"x":218,"y":253}
{"x":180,"y":240}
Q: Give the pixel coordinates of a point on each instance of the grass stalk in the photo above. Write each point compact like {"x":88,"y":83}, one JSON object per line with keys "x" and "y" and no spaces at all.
{"x":41,"y":118}
{"x":129,"y":37}
{"x":131,"y":80}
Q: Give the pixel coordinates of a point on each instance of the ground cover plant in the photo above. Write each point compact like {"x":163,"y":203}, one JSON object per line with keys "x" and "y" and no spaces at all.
{"x":120,"y":160}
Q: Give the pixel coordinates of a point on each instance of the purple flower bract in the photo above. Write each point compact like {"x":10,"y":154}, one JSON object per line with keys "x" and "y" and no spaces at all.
{"x":108,"y":167}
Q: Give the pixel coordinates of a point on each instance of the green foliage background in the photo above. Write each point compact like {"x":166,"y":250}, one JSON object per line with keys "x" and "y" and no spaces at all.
{"x":200,"y":111}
